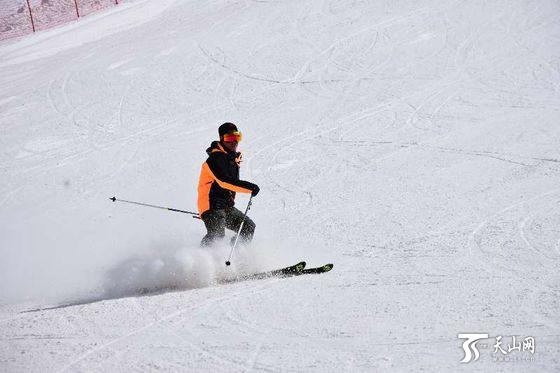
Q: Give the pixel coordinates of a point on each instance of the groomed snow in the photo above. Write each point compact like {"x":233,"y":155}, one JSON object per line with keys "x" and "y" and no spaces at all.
{"x":415,"y":145}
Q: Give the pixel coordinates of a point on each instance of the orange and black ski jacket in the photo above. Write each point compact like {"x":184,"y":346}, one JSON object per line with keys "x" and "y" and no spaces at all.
{"x":219,"y":179}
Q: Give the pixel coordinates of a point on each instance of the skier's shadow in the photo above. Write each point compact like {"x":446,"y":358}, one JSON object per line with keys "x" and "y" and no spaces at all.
{"x":85,"y":301}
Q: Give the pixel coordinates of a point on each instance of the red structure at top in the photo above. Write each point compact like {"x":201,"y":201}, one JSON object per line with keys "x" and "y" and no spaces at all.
{"x":22,"y":17}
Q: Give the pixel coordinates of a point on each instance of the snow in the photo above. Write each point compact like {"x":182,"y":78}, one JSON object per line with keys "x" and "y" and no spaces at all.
{"x":412,"y":144}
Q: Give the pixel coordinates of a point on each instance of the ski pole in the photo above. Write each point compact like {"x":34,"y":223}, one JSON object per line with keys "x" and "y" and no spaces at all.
{"x":228,"y":262}
{"x":194,"y":214}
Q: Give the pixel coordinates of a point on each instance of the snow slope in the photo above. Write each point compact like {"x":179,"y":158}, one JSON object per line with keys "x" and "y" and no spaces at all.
{"x":412,"y":144}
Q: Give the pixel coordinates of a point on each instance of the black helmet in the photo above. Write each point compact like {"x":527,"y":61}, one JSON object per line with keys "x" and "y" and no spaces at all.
{"x":226,"y":128}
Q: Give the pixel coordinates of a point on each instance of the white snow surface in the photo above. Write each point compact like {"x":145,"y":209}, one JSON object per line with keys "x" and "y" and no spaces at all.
{"x":414,"y":144}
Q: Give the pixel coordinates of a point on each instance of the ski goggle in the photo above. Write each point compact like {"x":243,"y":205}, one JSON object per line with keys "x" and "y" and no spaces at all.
{"x":234,"y":136}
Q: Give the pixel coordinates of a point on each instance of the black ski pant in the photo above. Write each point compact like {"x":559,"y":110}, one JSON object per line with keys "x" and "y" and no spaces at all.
{"x":217,"y":220}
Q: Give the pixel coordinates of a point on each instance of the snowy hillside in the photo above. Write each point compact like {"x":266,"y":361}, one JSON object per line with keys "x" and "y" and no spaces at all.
{"x":414,"y":144}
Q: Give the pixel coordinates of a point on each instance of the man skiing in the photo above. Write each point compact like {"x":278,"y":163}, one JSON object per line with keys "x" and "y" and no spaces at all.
{"x":217,"y":186}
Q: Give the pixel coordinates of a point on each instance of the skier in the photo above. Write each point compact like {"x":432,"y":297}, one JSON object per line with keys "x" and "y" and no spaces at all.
{"x":217,"y":185}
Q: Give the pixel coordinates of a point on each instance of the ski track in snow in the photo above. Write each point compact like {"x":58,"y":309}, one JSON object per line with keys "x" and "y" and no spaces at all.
{"x":413,"y":145}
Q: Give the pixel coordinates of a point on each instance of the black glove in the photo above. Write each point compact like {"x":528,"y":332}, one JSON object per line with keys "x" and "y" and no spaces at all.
{"x":256,"y":190}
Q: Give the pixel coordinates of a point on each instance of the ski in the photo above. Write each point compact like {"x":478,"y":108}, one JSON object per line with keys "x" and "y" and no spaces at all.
{"x":291,"y":271}
{"x":316,"y":270}
{"x":282,"y":272}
